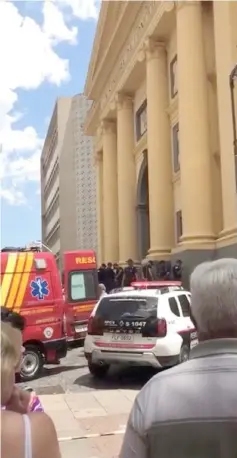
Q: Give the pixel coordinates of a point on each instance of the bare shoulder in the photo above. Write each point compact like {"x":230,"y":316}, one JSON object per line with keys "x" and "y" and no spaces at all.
{"x":43,"y":422}
{"x":44,"y":437}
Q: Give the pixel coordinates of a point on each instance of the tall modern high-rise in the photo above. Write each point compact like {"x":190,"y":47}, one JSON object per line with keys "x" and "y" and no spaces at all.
{"x":68,"y":180}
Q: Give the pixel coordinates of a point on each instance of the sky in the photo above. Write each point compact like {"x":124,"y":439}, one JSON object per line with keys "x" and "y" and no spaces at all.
{"x":45,"y":49}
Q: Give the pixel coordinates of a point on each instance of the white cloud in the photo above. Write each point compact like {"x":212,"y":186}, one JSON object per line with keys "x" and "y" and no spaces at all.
{"x":83,"y":9}
{"x":54,"y":26}
{"x":28,"y":58}
{"x":13,"y":196}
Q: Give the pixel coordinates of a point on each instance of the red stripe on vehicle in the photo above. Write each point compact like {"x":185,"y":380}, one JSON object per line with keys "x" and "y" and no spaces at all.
{"x":124,"y":345}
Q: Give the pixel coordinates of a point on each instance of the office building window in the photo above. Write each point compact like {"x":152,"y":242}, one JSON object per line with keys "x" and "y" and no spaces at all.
{"x":174,"y":77}
{"x":141,"y":120}
{"x":179,"y":226}
{"x":175,"y":142}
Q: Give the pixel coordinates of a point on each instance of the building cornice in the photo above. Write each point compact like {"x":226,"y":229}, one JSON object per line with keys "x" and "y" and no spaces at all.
{"x":145,"y":24}
{"x":96,"y":44}
{"x":92,"y":119}
{"x":151,"y":17}
{"x":132,"y":44}
{"x":97,"y":77}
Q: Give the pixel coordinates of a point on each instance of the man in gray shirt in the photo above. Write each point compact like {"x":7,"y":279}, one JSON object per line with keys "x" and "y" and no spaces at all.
{"x":190,"y":411}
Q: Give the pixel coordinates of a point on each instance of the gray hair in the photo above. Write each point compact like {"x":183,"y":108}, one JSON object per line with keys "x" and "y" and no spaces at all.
{"x":214,"y":297}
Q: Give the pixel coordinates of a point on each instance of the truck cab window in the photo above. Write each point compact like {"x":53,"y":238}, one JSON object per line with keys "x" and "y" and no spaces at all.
{"x":82,"y":285}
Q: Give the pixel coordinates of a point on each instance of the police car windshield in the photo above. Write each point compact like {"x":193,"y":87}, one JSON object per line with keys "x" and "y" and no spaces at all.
{"x":114,"y":308}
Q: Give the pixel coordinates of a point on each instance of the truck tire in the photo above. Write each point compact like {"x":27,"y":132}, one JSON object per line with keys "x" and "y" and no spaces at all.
{"x":98,"y":371}
{"x":32,"y":363}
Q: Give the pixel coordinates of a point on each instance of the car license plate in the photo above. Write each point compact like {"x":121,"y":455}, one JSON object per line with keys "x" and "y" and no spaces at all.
{"x":122,"y":337}
{"x":80,"y":329}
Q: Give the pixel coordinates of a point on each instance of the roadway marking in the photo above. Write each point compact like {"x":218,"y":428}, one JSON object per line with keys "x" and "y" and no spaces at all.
{"x":91,"y":436}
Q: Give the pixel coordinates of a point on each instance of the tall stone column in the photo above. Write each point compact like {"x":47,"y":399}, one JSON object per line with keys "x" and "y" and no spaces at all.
{"x":226,"y":58}
{"x":159,"y":153}
{"x":99,"y":196}
{"x":195,"y":160}
{"x":126,"y":179}
{"x":110,"y":192}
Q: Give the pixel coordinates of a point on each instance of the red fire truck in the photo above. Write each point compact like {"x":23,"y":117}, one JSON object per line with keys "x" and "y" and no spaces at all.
{"x":31,"y":286}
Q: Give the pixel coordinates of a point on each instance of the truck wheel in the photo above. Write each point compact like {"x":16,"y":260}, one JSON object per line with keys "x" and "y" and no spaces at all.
{"x":184,"y":353}
{"x":98,"y":371}
{"x":32,"y":363}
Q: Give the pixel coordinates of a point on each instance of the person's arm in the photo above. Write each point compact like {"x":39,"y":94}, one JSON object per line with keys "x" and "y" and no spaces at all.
{"x":150,"y":273}
{"x":134,"y":443}
{"x":44,"y":437}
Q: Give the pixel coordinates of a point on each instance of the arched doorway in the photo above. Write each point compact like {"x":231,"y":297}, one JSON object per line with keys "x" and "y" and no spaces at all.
{"x":143,"y":209}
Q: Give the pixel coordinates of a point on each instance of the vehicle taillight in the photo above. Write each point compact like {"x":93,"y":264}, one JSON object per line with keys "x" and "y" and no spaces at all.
{"x":161,"y":328}
{"x":95,"y":326}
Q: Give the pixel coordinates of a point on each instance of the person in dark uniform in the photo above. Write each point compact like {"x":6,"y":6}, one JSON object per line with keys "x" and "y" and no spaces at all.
{"x":162,"y":270}
{"x":177,"y":270}
{"x":101,"y":274}
{"x":109,"y":277}
{"x":147,"y":270}
{"x":129,"y":274}
{"x":118,"y":270}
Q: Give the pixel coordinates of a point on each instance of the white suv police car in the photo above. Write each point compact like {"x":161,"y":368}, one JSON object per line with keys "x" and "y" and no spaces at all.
{"x":146,"y":327}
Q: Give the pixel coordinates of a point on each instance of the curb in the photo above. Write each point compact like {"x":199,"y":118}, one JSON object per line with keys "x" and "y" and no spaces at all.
{"x":91,"y":436}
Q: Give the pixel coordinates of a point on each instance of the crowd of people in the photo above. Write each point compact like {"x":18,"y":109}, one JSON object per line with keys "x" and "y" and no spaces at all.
{"x":114,"y":276}
{"x":188,"y":411}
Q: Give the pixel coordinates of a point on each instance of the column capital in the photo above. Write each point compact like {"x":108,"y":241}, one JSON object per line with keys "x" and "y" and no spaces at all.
{"x":123,"y":101}
{"x":180,"y":4}
{"x":154,"y":49}
{"x":108,"y":126}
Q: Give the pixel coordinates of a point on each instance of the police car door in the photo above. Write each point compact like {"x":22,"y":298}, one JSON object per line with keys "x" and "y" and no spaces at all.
{"x":188,"y":331}
{"x":173,"y":314}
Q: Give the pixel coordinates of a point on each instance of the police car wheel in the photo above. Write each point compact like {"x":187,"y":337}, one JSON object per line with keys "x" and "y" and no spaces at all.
{"x":184,"y":353}
{"x":32,"y":363}
{"x":98,"y":371}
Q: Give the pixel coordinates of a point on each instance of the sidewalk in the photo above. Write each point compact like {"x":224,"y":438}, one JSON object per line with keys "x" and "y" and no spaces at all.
{"x":92,"y":424}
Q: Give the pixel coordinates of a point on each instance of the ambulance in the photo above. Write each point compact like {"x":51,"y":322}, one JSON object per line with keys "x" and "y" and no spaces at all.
{"x":80,"y":288}
{"x":31,"y":286}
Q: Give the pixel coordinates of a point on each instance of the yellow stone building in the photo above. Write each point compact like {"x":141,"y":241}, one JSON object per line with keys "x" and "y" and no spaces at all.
{"x":161,"y":117}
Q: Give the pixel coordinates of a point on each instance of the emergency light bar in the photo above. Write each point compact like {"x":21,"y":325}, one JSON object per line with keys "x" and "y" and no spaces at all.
{"x":20,"y":249}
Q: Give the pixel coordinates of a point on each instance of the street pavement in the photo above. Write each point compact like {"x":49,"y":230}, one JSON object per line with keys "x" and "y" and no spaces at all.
{"x":72,"y":376}
{"x":90,"y":415}
{"x":90,"y":424}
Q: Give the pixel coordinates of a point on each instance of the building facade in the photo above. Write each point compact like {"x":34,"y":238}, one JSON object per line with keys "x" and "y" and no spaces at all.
{"x":50,"y":182}
{"x":161,"y":116}
{"x":69,"y":218}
